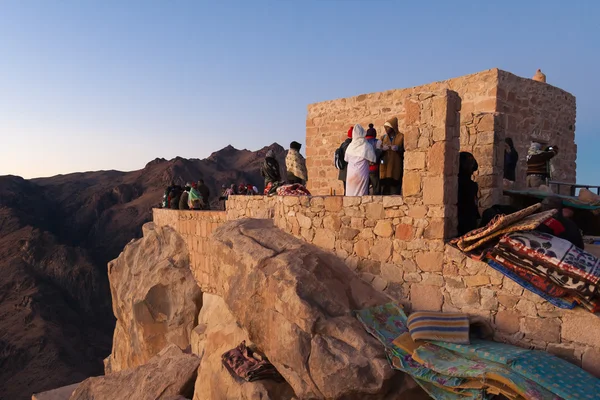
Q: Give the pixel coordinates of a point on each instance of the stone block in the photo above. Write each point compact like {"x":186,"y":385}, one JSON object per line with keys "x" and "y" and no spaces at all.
{"x":464,"y":297}
{"x":291,"y":201}
{"x":542,"y":329}
{"x":379,"y":283}
{"x":431,"y":261}
{"x":508,"y":301}
{"x":382,"y":250}
{"x":581,"y":327}
{"x":426,"y":297}
{"x":411,"y":184}
{"x":508,"y":321}
{"x":332,"y":222}
{"x":362,"y":248}
{"x":414,"y":160}
{"x":357,"y":223}
{"x":412,"y":277}
{"x":304,"y":221}
{"x":526,"y":307}
{"x":392,"y":201}
{"x":324,"y":238}
{"x":417,"y":212}
{"x":352,"y":201}
{"x":409,"y":266}
{"x":565,"y":352}
{"x":383,"y":228}
{"x":348,"y":233}
{"x":433,"y":190}
{"x":476,"y":280}
{"x":374,"y":211}
{"x":591,"y":361}
{"x":404,"y":232}
{"x":436,"y":159}
{"x":433,"y":280}
{"x":413,"y":112}
{"x":332,"y":203}
{"x":435,"y":230}
{"x":391,"y":272}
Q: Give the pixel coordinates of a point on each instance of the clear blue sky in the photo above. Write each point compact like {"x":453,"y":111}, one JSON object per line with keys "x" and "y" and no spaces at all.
{"x":88,"y":85}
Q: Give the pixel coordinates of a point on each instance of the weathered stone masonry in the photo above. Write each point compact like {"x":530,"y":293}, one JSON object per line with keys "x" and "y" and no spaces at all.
{"x":398,"y":243}
{"x":495,"y":104}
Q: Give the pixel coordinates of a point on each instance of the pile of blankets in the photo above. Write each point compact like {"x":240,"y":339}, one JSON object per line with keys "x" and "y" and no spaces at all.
{"x":478,"y":369}
{"x":243,"y":363}
{"x":553,"y":268}
{"x":281,"y":189}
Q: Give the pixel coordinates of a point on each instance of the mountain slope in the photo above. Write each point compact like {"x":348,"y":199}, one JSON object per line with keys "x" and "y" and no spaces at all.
{"x":56,"y":236}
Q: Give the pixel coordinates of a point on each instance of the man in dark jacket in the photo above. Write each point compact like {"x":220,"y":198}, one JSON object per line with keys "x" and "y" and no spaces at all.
{"x":559,"y":225}
{"x":468,"y":203}
{"x":205,"y":192}
{"x":342,"y":153}
{"x":511,"y":158}
{"x":537,"y":164}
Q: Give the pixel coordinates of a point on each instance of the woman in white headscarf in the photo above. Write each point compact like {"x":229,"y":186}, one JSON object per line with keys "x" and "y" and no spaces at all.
{"x":359,"y":154}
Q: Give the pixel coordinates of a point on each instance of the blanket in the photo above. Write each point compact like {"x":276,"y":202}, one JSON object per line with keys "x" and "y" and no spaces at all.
{"x":295,"y":189}
{"x":497,"y":223}
{"x":243,"y":363}
{"x":558,"y":252}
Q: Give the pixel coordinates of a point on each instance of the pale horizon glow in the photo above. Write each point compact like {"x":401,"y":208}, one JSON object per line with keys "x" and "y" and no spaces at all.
{"x":112,"y":85}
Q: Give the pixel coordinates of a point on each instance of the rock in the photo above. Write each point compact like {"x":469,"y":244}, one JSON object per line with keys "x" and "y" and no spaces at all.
{"x":431,"y":261}
{"x":155,"y":298}
{"x":581,"y":327}
{"x":62,"y":393}
{"x":295,"y":301}
{"x":384,"y":229}
{"x":222,"y":333}
{"x":426,"y":297}
{"x":544,"y":329}
{"x":591,"y":362}
{"x":170,"y":373}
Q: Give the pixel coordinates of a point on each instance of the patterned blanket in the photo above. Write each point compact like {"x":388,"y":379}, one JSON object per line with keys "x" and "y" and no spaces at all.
{"x":499,"y":222}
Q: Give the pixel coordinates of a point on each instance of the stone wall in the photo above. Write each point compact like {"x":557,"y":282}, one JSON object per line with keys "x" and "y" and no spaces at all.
{"x":495,"y":105}
{"x":261,"y":207}
{"x":196,"y":228}
{"x":538,"y":111}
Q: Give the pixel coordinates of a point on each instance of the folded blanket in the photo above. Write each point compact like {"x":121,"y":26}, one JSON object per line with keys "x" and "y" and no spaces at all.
{"x":244,"y":363}
{"x":447,"y":327}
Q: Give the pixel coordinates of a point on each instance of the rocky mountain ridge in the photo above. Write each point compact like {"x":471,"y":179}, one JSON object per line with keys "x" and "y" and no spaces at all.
{"x":56,"y":237}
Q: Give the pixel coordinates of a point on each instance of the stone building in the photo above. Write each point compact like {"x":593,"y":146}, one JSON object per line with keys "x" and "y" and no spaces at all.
{"x":398,"y":243}
{"x":495,"y":104}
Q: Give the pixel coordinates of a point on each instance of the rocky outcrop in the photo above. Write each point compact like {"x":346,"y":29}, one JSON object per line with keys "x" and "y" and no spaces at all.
{"x":216,"y":333}
{"x":171,"y":373}
{"x":295,"y":302}
{"x":155,"y":298}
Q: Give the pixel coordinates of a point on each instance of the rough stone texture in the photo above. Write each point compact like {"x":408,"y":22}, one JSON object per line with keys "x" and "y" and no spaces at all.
{"x":295,"y":303}
{"x":63,"y":393}
{"x":426,"y":298}
{"x":155,"y":298}
{"x":591,"y":362}
{"x":168,"y":374}
{"x":218,"y":332}
{"x":495,"y":104}
{"x":579,"y":327}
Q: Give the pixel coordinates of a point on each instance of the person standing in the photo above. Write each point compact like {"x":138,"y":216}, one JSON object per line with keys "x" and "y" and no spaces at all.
{"x":511,"y":158}
{"x":374,"y":167}
{"x":468,"y":192}
{"x":270,"y":169}
{"x":296,"y":165}
{"x":183,"y":200}
{"x":392,"y":165}
{"x":538,"y":170}
{"x":339,"y":158}
{"x":205,"y":193}
{"x":358,"y":156}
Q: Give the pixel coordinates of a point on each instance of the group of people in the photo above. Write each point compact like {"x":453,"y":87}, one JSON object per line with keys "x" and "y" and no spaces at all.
{"x":295,"y":165}
{"x":538,"y":174}
{"x":368,"y":165}
{"x":193,"y":196}
{"x":539,"y":167}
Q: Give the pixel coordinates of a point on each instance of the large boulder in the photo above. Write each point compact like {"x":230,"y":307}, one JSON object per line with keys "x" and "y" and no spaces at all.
{"x":155,"y":297}
{"x":169,"y":374}
{"x":295,"y":301}
{"x":216,"y":333}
